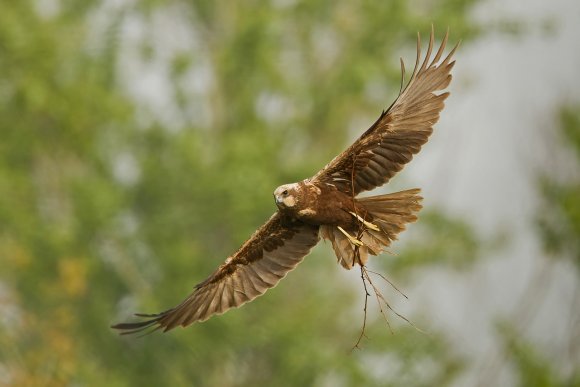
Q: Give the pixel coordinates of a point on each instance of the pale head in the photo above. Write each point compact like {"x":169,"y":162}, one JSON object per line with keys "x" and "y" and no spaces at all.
{"x":286,"y":195}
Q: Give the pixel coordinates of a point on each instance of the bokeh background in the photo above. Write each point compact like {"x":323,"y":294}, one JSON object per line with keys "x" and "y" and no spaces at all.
{"x":140,"y":142}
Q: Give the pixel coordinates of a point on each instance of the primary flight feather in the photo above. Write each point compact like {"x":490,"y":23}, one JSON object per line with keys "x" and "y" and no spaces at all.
{"x":326,"y":206}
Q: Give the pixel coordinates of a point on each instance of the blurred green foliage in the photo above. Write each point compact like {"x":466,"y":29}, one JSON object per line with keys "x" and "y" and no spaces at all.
{"x":558,"y":225}
{"x":533,"y":368}
{"x":443,"y":241}
{"x":559,"y":220}
{"x":107,"y":206}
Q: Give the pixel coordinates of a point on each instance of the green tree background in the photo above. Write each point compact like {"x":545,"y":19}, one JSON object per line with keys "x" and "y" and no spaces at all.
{"x":140,"y":143}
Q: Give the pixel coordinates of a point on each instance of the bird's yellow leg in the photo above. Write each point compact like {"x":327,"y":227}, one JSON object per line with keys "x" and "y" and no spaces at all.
{"x":351,"y":239}
{"x":369,"y":225}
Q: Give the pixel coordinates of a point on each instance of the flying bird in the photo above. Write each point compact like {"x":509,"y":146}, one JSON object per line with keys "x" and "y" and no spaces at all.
{"x":326,"y":205}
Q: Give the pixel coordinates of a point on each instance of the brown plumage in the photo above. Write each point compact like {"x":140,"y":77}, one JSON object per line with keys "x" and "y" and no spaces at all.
{"x":326,"y":204}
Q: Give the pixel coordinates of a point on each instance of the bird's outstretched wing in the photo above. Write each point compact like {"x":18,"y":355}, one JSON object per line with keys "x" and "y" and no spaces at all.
{"x":399,"y":132}
{"x":270,"y":253}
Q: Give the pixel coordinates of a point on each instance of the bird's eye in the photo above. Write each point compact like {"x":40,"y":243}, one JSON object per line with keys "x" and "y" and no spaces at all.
{"x":285,"y":192}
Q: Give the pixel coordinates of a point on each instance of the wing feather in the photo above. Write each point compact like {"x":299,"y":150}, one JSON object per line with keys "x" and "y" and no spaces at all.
{"x":400,"y":131}
{"x":274,"y":250}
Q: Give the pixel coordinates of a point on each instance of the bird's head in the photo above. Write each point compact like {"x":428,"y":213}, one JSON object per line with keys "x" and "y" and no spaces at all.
{"x":286,"y":195}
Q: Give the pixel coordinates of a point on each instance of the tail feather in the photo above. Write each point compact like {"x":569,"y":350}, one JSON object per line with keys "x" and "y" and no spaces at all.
{"x":389,"y":212}
{"x":342,"y":247}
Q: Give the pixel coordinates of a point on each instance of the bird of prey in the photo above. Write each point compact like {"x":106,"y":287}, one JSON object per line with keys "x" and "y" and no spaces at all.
{"x":326,"y":205}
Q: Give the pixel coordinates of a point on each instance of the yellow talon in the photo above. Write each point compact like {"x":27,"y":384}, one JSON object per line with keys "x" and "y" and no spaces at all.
{"x":352,"y":240}
{"x":368,"y":225}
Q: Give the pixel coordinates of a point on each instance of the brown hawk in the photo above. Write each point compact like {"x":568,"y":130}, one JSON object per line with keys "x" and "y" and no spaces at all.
{"x":326,"y":204}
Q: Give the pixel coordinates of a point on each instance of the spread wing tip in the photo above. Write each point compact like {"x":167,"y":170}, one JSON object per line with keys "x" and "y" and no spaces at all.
{"x":140,"y":326}
{"x":245,"y":276}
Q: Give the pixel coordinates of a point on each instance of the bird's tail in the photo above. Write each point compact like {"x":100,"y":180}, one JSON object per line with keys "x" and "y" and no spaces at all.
{"x":380,"y":219}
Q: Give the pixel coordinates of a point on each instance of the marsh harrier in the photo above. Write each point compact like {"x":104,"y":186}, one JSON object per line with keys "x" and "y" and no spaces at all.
{"x":326,"y":205}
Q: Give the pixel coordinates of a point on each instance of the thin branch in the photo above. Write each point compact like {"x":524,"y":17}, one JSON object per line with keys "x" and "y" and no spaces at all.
{"x":367,"y":295}
{"x":379,"y":297}
{"x":389,"y":282}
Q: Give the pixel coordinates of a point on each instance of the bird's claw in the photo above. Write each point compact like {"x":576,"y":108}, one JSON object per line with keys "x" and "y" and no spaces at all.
{"x":351,"y":239}
{"x":369,"y":225}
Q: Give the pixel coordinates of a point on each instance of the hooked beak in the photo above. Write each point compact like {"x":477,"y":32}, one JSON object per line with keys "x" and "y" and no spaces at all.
{"x":278,"y":199}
